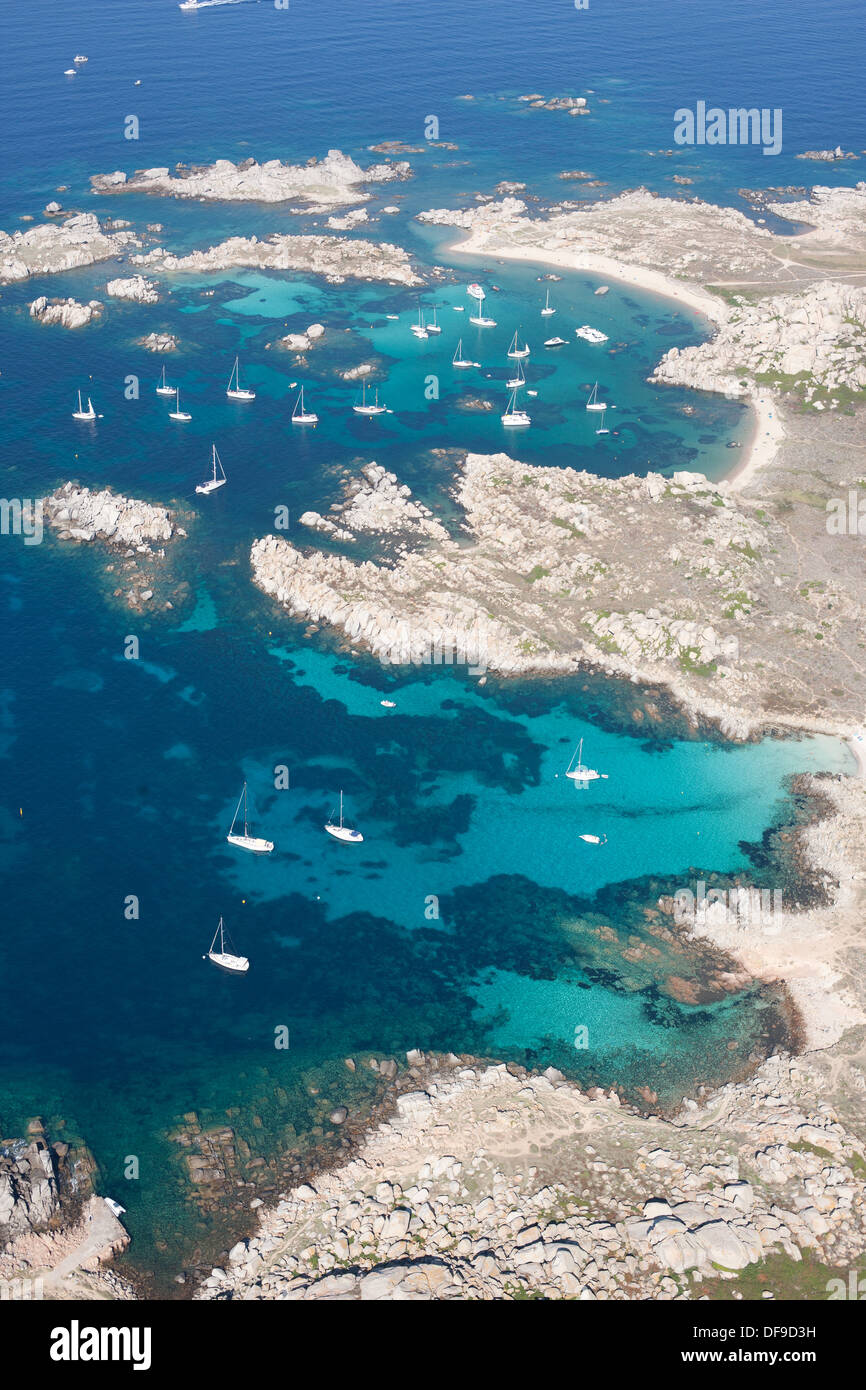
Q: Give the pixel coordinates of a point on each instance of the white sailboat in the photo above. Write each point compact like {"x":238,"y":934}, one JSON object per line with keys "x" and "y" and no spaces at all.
{"x":177,"y":413}
{"x":516,"y":350}
{"x":163,"y":389}
{"x":218,"y":479}
{"x":300,"y":416}
{"x":547,"y":310}
{"x":364,"y":408}
{"x":81,"y":413}
{"x":519,"y":380}
{"x":591,"y":335}
{"x":594,"y":403}
{"x":341,"y":831}
{"x":434,"y":327}
{"x":234,"y":390}
{"x":513,"y":416}
{"x":601,"y":429}
{"x":419,"y":328}
{"x":247,"y":841}
{"x":458,"y":360}
{"x":581,"y":775}
{"x":226,"y":960}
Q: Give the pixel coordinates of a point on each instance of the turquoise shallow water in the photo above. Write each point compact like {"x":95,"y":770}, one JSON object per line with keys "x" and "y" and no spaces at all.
{"x":467,"y":920}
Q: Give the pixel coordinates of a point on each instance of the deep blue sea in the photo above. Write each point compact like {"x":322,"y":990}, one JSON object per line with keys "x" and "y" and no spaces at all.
{"x":473,"y":918}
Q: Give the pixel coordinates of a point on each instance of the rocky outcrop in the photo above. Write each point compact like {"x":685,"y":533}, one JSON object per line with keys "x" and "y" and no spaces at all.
{"x":813,"y":342}
{"x":68,"y":313}
{"x":136,"y":288}
{"x":159,"y":342}
{"x":302,"y":342}
{"x":79,"y":514}
{"x":376,"y":502}
{"x":336,"y":258}
{"x":57,"y":246}
{"x":335,"y":180}
{"x":440,"y":1202}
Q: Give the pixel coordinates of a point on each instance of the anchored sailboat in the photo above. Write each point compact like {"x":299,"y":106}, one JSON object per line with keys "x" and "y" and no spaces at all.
{"x":247,"y":841}
{"x":594,"y":403}
{"x":419,"y":328}
{"x":547,"y":310}
{"x":479,"y":318}
{"x":513,"y":416}
{"x":234,"y":390}
{"x":226,"y":960}
{"x":365,"y":409}
{"x":341,"y":831}
{"x":458,"y":360}
{"x":177,"y":413}
{"x":518,"y":380}
{"x":218,"y":479}
{"x":601,"y":429}
{"x":434,"y":327}
{"x":300,"y":416}
{"x":516,"y":350}
{"x":81,"y":413}
{"x":580,"y":774}
{"x":163,"y":389}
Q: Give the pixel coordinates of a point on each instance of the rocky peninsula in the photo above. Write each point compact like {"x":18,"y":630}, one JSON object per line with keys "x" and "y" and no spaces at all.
{"x":337,"y":259}
{"x":330,"y":182}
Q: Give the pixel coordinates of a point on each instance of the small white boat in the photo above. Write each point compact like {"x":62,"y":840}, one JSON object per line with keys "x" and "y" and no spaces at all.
{"x":594,"y":839}
{"x":218,"y":479}
{"x":109,"y":1201}
{"x":341,"y":831}
{"x":554,"y":342}
{"x":434,"y":327}
{"x":531,"y":393}
{"x":234,"y":390}
{"x":601,"y":429}
{"x":513,"y":416}
{"x":70,"y":72}
{"x":591,"y":335}
{"x":226,"y":960}
{"x":388,"y":704}
{"x":177,"y":413}
{"x":300,"y":416}
{"x":594,"y":403}
{"x":392,"y":317}
{"x":516,"y":350}
{"x":475,"y":290}
{"x":518,"y":380}
{"x":247,"y":841}
{"x":81,"y":58}
{"x":458,"y":360}
{"x":190,"y":5}
{"x":547,"y":310}
{"x":163,"y":389}
{"x":365,"y":409}
{"x":81,"y":413}
{"x":580,"y":774}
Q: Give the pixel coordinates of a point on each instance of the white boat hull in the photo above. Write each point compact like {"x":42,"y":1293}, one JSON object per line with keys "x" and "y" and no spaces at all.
{"x":305,"y":419}
{"x":520,"y":352}
{"x":251,"y":842}
{"x":596,"y":407}
{"x":83,"y":415}
{"x":517,"y":417}
{"x":343,"y":833}
{"x":179,"y":415}
{"x":241,"y":395}
{"x":591,"y":335}
{"x":369,"y":409}
{"x":483,"y":322}
{"x":212,"y":485}
{"x":585,"y":774}
{"x":235,"y":965}
{"x":166,"y":390}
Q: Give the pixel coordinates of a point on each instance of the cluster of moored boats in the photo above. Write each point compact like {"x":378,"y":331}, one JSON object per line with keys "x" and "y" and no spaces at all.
{"x":335,"y":826}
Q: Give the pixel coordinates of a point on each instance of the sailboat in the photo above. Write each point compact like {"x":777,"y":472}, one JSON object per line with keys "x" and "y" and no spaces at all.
{"x":218,"y":479}
{"x":364,"y":408}
{"x":580,"y":774}
{"x":177,"y":413}
{"x":226,"y":960}
{"x":516,"y":350}
{"x":458,"y":360}
{"x":300,"y":416}
{"x":419,"y":328}
{"x":434,"y":327}
{"x":163,"y":389}
{"x":81,"y":413}
{"x":513,"y":416}
{"x":341,"y":831}
{"x":594,"y":403}
{"x":518,"y":380}
{"x":601,"y":429}
{"x":234,"y":390}
{"x":479,"y":318}
{"x":547,"y":311}
{"x":247,"y":841}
